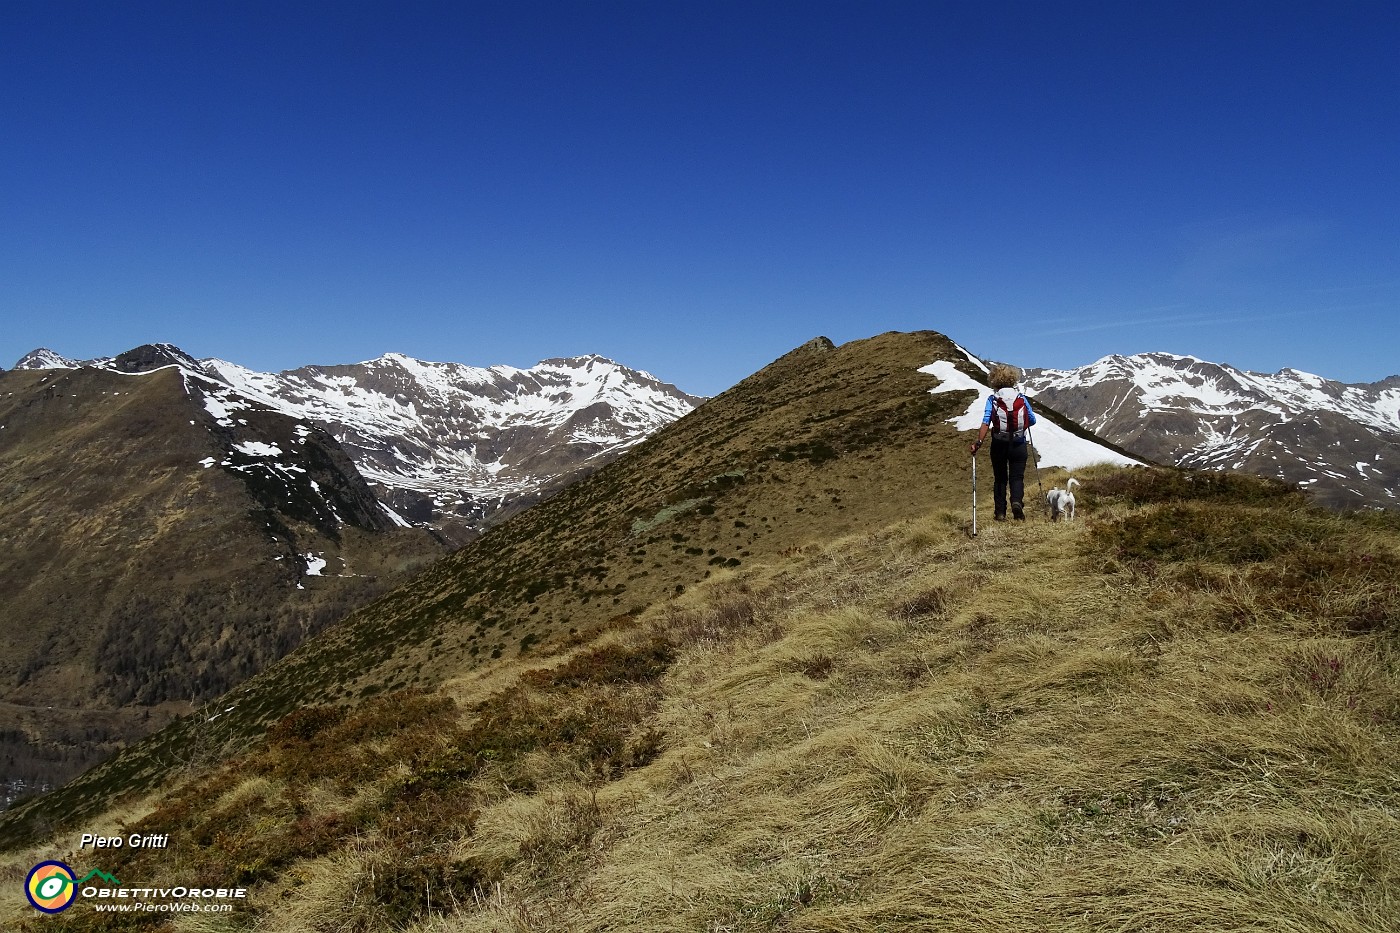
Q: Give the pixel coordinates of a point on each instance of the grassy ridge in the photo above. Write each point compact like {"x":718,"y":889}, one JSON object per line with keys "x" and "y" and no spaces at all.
{"x":821,"y":443}
{"x":1181,"y":713}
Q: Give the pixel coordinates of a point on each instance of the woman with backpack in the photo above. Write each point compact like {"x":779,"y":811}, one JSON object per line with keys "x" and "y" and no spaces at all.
{"x":1007,"y":418}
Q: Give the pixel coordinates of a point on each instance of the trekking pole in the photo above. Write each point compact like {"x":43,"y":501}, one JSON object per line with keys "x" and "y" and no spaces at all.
{"x":1035,"y":455}
{"x":974,"y":493}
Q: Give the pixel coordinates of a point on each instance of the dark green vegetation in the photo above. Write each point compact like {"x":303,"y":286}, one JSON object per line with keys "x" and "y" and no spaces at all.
{"x":139,"y":582}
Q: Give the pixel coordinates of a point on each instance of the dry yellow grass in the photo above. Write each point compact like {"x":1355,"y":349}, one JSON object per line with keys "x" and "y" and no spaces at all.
{"x":910,"y":729}
{"x":16,"y":863}
{"x":1047,"y":749}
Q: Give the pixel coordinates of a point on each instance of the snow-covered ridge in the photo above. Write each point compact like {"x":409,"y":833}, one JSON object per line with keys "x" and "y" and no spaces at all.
{"x":44,"y":358}
{"x":393,"y":390}
{"x":447,"y":428}
{"x":1340,"y":441}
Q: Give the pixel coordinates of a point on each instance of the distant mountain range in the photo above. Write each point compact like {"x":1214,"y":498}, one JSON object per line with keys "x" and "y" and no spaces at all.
{"x":446,"y":445}
{"x":824,"y":442}
{"x":1340,"y":442}
{"x":456,"y":447}
{"x":166,"y":537}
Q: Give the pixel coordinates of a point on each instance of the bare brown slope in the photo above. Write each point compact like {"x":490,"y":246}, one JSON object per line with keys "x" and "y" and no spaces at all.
{"x":139,"y":580}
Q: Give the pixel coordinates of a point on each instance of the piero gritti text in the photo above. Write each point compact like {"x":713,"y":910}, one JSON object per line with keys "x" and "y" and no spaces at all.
{"x":133,"y":841}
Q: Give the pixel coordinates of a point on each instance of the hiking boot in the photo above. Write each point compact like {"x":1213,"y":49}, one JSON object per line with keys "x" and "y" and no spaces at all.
{"x":1017,"y":512}
{"x":1000,"y":516}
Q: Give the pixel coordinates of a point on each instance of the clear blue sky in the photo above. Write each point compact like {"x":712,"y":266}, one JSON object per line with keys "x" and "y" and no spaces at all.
{"x":696,"y":187}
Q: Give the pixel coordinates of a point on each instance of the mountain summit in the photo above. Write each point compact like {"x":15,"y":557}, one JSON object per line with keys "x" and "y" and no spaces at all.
{"x":159,"y":546}
{"x":824,"y":442}
{"x":459,"y":447}
{"x":44,"y":358}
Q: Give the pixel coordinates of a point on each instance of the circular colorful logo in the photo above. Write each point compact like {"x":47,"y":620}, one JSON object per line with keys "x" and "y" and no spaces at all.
{"x":51,"y":887}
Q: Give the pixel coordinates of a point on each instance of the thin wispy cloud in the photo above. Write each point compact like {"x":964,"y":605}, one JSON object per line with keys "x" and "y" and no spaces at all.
{"x":1354,"y":287}
{"x":1147,"y":318}
{"x":1224,"y":252}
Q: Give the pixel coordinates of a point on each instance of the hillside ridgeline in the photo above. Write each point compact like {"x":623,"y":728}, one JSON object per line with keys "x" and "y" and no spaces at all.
{"x":756,"y":675}
{"x":823,"y":442}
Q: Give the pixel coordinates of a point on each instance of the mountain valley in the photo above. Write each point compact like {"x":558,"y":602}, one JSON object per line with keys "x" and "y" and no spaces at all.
{"x":157,"y":551}
{"x":174,"y":525}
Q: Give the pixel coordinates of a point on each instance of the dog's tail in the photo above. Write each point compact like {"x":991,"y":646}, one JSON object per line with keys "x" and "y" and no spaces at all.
{"x":1071,"y":484}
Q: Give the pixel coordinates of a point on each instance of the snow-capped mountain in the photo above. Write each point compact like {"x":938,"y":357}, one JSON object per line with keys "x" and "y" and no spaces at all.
{"x":444,"y":440}
{"x":44,"y":358}
{"x":443,"y":444}
{"x":163,"y":540}
{"x":1341,"y":442}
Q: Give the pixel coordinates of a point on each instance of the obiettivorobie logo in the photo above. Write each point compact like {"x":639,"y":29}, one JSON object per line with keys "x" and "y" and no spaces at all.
{"x":52,"y":887}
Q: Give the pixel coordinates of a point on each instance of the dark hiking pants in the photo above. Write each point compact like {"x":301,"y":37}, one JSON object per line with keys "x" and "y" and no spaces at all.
{"x":1008,"y":464}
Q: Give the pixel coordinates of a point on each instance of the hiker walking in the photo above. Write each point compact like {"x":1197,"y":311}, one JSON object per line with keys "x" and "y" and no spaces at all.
{"x":1007,"y":417}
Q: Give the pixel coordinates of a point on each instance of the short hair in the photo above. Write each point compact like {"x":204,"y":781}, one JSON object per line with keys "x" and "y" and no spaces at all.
{"x":1003,"y":376}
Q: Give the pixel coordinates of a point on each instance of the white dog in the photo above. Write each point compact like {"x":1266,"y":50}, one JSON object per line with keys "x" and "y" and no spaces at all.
{"x":1062,"y":500}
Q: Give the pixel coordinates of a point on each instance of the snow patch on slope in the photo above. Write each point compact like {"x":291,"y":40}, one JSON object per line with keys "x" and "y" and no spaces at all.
{"x":1055,"y":445}
{"x":463,"y":437}
{"x":258,"y":449}
{"x":1325,"y":435}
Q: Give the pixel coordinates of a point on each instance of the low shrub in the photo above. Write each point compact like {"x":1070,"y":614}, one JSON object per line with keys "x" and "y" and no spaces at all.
{"x":304,"y":725}
{"x":407,"y":888}
{"x":1146,"y":485}
{"x":610,"y":664}
{"x":1232,"y":534}
{"x":926,"y":603}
